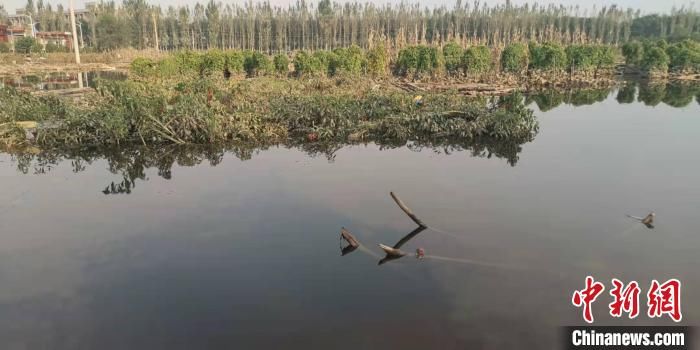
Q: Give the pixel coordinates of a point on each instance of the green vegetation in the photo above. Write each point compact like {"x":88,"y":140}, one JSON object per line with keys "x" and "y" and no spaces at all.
{"x":633,"y":52}
{"x":514,"y":58}
{"x":547,"y":56}
{"x":4,"y":48}
{"x":51,"y":47}
{"x":419,"y":61}
{"x":349,"y":60}
{"x":213,"y":110}
{"x":453,"y":57}
{"x":305,"y":64}
{"x":655,"y":59}
{"x":377,"y":61}
{"x":27,"y":45}
{"x":477,"y":60}
{"x":256,"y":63}
{"x":281,"y":63}
{"x":422,"y":61}
{"x":658,"y":56}
{"x":684,"y":55}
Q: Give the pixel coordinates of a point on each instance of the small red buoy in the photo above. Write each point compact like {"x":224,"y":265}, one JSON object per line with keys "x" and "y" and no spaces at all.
{"x":420,"y":253}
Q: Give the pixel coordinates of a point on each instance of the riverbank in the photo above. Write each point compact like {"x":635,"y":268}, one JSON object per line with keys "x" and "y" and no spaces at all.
{"x":215,"y":110}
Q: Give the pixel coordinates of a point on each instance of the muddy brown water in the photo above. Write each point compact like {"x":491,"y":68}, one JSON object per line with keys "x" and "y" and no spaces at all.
{"x":240,"y":250}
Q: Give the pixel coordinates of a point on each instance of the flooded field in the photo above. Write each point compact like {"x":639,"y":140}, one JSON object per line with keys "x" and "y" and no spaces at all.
{"x":58,"y":80}
{"x":186,"y":248}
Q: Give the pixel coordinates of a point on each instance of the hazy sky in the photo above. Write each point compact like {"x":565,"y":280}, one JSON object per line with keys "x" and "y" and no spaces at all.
{"x":645,"y":5}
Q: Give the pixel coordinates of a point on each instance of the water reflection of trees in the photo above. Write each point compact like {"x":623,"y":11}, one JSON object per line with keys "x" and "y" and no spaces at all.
{"x":673,"y":94}
{"x":132,"y":164}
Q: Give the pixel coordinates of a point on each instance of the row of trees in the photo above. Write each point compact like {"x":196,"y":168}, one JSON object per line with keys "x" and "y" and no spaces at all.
{"x":514,"y":58}
{"x":660,"y":56}
{"x":327,"y":25}
{"x":413,"y":61}
{"x":352,"y":60}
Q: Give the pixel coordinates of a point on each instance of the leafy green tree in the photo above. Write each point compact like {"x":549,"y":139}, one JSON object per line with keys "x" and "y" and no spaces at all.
{"x":633,"y":52}
{"x":26,"y":45}
{"x":452,"y":53}
{"x":514,"y":58}
{"x":212,"y":61}
{"x":377,"y":61}
{"x":281,"y":63}
{"x":477,"y":59}
{"x":407,"y":62}
{"x":655,"y":59}
{"x":113,"y":32}
{"x":256,"y":63}
{"x":234,"y":60}
{"x":348,"y":60}
{"x":547,"y":56}
{"x":429,"y":59}
{"x":684,"y":55}
{"x":305,"y":64}
{"x":581,"y":57}
{"x":603,"y":57}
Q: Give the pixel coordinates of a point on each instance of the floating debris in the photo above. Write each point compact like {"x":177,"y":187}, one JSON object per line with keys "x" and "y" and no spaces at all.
{"x":648,"y":220}
{"x":353,"y":243}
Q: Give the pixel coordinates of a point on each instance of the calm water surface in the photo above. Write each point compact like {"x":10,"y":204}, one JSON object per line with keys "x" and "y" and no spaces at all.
{"x":245,"y":254}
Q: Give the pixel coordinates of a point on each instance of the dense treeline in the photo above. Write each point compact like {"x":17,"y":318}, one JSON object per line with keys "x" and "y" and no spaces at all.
{"x":327,"y":25}
{"x":414,"y":61}
{"x":659,"y":56}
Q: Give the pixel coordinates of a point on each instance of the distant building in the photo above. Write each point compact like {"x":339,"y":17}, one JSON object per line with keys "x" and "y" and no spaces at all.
{"x":55,"y":38}
{"x":4,"y":34}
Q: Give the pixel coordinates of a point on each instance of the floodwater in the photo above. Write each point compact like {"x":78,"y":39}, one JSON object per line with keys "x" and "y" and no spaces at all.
{"x":59,"y":80}
{"x":239,"y":249}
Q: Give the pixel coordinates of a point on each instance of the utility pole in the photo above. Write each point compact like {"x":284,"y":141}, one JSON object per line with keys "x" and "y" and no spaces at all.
{"x":155,"y":30}
{"x":75,"y":35}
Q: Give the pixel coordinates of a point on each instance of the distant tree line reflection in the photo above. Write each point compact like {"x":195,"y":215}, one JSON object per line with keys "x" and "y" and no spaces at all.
{"x":649,"y":93}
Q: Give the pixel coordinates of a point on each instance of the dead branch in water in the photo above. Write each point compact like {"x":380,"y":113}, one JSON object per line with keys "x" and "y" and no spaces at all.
{"x":348,"y":237}
{"x":407,"y":210}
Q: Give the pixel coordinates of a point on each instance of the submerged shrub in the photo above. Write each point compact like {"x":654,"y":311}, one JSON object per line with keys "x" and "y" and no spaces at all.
{"x":514,"y":58}
{"x":477,"y":59}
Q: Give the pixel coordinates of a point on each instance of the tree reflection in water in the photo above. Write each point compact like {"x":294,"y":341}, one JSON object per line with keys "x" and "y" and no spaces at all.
{"x":132,"y":163}
{"x":673,"y":94}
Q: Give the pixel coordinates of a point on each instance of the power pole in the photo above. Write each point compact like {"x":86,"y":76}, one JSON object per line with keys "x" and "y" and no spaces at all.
{"x":155,"y":30}
{"x":75,"y":35}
